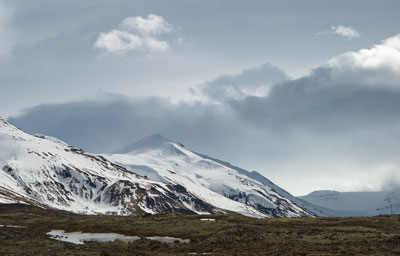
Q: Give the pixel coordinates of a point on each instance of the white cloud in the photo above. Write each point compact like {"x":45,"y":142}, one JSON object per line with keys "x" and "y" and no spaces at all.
{"x":136,"y":34}
{"x":378,"y":65}
{"x":153,"y":25}
{"x":118,"y":41}
{"x":344,"y":31}
{"x":385,"y":55}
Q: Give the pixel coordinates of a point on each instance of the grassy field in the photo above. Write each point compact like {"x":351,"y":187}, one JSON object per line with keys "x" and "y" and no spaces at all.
{"x":228,"y":235}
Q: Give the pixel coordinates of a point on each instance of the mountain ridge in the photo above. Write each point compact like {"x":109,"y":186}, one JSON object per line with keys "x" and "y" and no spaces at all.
{"x":165,"y":158}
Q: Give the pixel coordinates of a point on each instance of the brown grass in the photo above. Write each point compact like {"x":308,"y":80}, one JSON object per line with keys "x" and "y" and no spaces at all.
{"x":229,"y":235}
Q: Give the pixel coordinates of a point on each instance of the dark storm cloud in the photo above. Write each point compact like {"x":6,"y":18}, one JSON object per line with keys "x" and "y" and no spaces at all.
{"x":320,"y":103}
{"x":252,"y":81}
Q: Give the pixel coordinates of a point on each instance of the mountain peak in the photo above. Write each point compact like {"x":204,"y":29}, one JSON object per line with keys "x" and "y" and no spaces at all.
{"x":147,"y":143}
{"x":155,"y":137}
{"x":2,"y":121}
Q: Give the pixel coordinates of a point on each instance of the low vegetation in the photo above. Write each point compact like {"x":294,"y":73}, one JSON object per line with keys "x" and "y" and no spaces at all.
{"x":227,"y":235}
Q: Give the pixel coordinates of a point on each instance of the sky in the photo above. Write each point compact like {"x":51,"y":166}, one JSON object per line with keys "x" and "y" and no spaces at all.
{"x":305,"y":92}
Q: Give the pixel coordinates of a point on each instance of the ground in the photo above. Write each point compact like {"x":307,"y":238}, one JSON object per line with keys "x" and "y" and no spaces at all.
{"x":228,"y":235}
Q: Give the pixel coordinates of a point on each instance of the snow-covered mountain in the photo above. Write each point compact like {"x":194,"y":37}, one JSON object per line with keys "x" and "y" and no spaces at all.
{"x":214,"y":181}
{"x":357,"y":203}
{"x":151,"y":176}
{"x":44,"y":171}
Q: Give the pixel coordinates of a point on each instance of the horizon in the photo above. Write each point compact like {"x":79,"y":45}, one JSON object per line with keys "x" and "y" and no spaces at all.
{"x":305,"y":93}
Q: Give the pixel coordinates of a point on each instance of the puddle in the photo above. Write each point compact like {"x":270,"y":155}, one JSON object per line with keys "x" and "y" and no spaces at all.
{"x":207,"y":219}
{"x":168,"y":239}
{"x":81,"y":238}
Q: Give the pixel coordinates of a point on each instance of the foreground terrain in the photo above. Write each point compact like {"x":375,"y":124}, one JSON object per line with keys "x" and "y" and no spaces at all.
{"x":227,"y":235}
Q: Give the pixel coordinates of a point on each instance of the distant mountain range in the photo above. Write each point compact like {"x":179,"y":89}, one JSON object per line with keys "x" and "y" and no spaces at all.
{"x":357,"y":203}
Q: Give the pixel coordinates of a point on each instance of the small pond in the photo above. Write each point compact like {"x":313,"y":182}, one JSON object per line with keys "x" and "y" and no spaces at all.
{"x":81,"y":238}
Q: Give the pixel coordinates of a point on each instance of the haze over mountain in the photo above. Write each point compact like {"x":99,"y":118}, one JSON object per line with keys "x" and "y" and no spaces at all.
{"x":359,"y":203}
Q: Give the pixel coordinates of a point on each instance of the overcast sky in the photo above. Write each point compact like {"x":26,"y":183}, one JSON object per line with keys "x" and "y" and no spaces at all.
{"x":305,"y":92}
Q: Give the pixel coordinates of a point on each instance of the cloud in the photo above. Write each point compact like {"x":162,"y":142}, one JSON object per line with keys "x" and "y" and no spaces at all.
{"x":344,"y":31}
{"x":117,"y":41}
{"x":153,"y":25}
{"x":356,"y":88}
{"x":136,"y":34}
{"x":108,"y":123}
{"x":255,"y":81}
{"x":332,"y":129}
{"x":379,"y":65}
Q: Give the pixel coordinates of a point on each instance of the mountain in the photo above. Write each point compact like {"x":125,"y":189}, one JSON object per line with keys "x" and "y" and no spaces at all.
{"x":358,"y":203}
{"x":46,"y":172}
{"x":214,"y":181}
{"x":315,"y":209}
{"x":154,"y":175}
